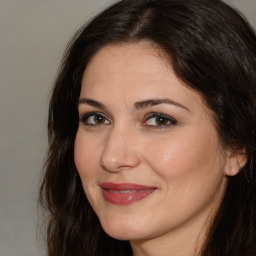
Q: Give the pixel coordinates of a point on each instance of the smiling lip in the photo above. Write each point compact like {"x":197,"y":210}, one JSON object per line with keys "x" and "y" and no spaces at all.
{"x":125,"y":193}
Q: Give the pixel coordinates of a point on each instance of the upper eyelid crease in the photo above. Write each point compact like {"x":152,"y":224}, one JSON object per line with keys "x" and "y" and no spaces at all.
{"x":86,"y":116}
{"x":155,"y":115}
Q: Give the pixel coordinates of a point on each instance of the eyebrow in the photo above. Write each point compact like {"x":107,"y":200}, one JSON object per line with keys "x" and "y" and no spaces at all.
{"x":153,"y":102}
{"x":92,"y":103}
{"x":137,"y":106}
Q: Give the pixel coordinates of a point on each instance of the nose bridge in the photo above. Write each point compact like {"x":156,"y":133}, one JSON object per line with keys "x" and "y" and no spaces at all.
{"x":119,"y":151}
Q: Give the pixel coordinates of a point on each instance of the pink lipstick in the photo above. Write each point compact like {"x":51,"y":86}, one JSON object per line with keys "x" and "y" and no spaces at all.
{"x":125,"y":193}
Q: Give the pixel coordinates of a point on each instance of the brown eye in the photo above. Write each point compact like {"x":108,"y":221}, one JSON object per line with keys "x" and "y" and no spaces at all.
{"x":94,"y":119}
{"x":159,"y":120}
{"x":99,"y":119}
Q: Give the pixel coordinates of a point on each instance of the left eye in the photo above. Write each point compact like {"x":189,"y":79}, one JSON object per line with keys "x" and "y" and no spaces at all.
{"x":160,"y":120}
{"x":94,"y":119}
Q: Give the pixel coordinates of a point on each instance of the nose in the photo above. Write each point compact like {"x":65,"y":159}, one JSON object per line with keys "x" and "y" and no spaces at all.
{"x":120,"y":151}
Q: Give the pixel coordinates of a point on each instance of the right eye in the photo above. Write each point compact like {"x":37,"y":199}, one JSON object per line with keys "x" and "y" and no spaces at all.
{"x":94,"y":119}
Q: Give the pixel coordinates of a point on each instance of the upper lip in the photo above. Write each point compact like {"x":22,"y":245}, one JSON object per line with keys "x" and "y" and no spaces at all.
{"x":124,"y":186}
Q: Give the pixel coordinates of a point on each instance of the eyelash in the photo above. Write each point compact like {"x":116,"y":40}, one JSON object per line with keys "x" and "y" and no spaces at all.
{"x":167,"y":120}
{"x":84,"y":118}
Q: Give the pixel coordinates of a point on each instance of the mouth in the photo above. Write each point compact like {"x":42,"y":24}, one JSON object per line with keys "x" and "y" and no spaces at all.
{"x":125,"y":193}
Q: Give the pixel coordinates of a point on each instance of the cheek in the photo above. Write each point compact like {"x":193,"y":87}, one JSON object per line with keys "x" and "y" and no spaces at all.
{"x":180,"y":156}
{"x":190,"y":169}
{"x":85,"y":156}
{"x":167,"y":159}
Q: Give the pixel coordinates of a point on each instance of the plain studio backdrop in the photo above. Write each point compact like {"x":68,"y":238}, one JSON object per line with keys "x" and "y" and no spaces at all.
{"x":33,"y":36}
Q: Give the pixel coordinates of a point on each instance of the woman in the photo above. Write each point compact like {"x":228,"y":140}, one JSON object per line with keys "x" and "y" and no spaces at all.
{"x":152,"y":134}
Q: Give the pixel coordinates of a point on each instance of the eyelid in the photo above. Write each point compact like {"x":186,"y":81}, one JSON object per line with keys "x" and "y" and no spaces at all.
{"x":85,"y":116}
{"x":170,"y":119}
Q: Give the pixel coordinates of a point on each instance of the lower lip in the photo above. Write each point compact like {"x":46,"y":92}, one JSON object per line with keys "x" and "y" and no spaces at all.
{"x":125,"y":197}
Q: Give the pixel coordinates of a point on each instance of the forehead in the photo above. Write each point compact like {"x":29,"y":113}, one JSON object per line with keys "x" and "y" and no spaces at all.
{"x":135,"y":71}
{"x":144,"y":57}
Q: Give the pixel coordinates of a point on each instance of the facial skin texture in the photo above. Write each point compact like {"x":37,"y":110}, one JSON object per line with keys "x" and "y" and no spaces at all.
{"x":183,"y":161}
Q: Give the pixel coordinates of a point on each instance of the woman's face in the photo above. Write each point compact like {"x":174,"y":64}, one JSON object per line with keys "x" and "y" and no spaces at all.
{"x":146,"y":150}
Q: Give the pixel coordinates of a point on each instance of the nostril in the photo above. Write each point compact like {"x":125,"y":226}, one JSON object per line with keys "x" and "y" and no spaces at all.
{"x":119,"y":151}
{"x":119,"y":160}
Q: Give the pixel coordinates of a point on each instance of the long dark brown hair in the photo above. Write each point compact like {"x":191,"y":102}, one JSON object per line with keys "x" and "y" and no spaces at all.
{"x":213,"y":50}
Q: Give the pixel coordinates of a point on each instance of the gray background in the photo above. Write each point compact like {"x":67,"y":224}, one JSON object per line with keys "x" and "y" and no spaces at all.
{"x":33,"y":35}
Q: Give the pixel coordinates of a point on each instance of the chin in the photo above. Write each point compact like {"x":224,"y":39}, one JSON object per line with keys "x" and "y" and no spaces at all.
{"x":123,"y":231}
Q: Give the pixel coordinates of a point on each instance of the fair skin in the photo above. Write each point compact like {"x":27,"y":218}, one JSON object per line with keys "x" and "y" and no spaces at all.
{"x":168,"y":144}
